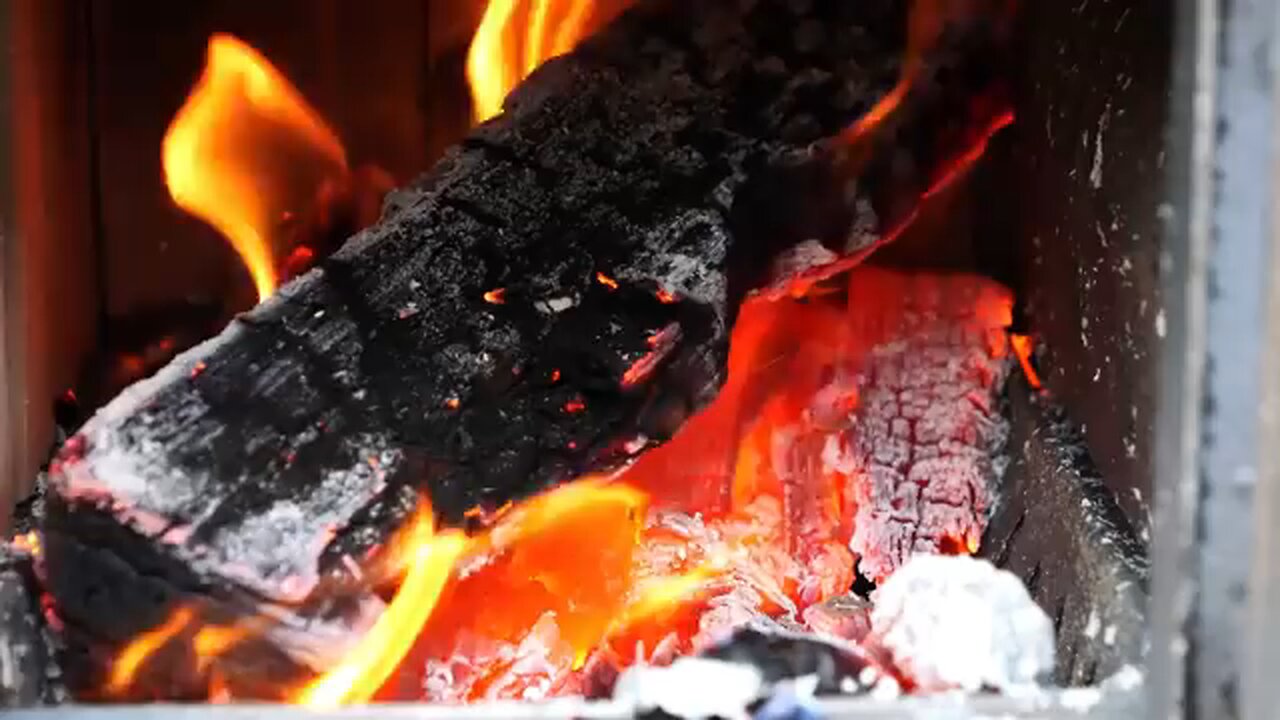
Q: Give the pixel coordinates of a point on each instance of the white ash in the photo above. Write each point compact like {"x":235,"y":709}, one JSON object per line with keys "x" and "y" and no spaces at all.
{"x":692,"y":688}
{"x":801,"y":259}
{"x":129,"y":467}
{"x":557,"y":304}
{"x":121,"y":468}
{"x":289,"y":527}
{"x":863,"y":232}
{"x":1126,"y":681}
{"x":321,"y":642}
{"x":956,"y":622}
{"x":685,"y":258}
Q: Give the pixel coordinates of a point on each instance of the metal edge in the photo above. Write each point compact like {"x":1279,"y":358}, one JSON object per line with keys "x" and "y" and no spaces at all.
{"x":1218,"y":362}
{"x":1119,"y":698}
{"x":1184,"y":279}
{"x":1260,"y":654}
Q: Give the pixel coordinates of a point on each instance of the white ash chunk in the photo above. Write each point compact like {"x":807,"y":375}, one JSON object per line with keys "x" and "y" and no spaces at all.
{"x":956,"y":622}
{"x":692,"y":688}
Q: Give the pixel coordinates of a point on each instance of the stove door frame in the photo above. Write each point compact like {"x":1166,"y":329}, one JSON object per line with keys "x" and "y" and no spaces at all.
{"x":1214,"y":630}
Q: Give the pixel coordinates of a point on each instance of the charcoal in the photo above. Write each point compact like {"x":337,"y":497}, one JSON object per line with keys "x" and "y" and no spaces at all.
{"x":29,"y":673}
{"x":551,"y":299}
{"x":838,"y":668}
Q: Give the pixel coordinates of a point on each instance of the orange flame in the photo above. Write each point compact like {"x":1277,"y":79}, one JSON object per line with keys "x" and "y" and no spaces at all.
{"x":244,"y":149}
{"x":769,"y":531}
{"x":526,"y":582}
{"x":28,"y":542}
{"x":125,"y":667}
{"x":380,"y":651}
{"x":516,"y":36}
{"x":1023,"y":346}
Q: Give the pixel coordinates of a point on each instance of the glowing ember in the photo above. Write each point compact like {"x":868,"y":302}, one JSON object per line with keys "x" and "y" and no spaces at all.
{"x":244,"y":150}
{"x":918,"y":450}
{"x":516,"y":36}
{"x":380,"y":651}
{"x":28,"y":542}
{"x":859,"y":430}
{"x":126,"y":665}
{"x":749,"y":512}
{"x":1023,"y":346}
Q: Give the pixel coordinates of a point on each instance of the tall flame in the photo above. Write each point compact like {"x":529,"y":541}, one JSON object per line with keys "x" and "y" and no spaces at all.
{"x":516,"y":36}
{"x":243,"y":149}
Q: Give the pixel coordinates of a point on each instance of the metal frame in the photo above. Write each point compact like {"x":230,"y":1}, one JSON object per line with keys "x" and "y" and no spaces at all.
{"x":1212,"y":619}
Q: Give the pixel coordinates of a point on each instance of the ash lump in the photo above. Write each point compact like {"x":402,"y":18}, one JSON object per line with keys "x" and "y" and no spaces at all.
{"x":956,"y":622}
{"x":940,"y":623}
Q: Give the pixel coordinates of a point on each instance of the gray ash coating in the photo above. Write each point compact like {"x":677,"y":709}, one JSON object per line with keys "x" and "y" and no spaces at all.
{"x":256,"y":462}
{"x":29,"y":673}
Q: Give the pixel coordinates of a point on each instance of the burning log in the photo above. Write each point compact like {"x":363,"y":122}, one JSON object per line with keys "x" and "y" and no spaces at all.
{"x":27,"y":666}
{"x":552,"y":299}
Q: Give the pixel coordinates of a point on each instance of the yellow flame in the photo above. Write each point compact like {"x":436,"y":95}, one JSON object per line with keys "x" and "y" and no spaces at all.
{"x":504,"y":50}
{"x":126,"y":665}
{"x":222,"y":152}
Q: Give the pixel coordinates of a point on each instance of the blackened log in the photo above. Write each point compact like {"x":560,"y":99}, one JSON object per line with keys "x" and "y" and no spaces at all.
{"x":29,"y":674}
{"x":553,"y":297}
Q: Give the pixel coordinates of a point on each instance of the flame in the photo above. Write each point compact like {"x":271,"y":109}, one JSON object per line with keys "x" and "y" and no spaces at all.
{"x":732,"y":518}
{"x":1023,"y":346}
{"x":28,"y":542}
{"x":244,"y":149}
{"x":533,"y":558}
{"x":516,"y":36}
{"x":381,"y":650}
{"x":763,"y":532}
{"x":126,"y":665}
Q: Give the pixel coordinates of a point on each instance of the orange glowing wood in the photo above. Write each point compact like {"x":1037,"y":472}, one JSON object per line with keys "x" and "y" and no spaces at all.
{"x":235,"y":152}
{"x":28,"y":542}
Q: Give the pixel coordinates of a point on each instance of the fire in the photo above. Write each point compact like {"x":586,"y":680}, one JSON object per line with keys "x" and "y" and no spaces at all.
{"x":126,"y":665}
{"x":1023,"y":346}
{"x":244,"y":150}
{"x":380,"y":651}
{"x":516,"y":36}
{"x":28,"y":542}
{"x":736,"y":517}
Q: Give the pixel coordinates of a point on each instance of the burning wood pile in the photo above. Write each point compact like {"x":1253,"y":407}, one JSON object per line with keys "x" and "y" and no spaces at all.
{"x":607,"y":388}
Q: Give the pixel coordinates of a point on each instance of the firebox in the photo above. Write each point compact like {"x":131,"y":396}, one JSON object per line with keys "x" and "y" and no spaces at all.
{"x":298,"y":318}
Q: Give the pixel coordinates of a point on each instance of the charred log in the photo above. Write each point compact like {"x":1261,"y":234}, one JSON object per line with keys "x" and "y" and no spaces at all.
{"x":552,"y":298}
{"x":29,"y":673}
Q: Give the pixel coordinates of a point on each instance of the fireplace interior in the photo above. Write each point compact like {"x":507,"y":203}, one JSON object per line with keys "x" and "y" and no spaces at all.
{"x":105,"y":280}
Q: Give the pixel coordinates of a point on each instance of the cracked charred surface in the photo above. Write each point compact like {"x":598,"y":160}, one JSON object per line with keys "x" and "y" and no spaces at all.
{"x":493,"y":334}
{"x":241,"y":474}
{"x":923,"y":450}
